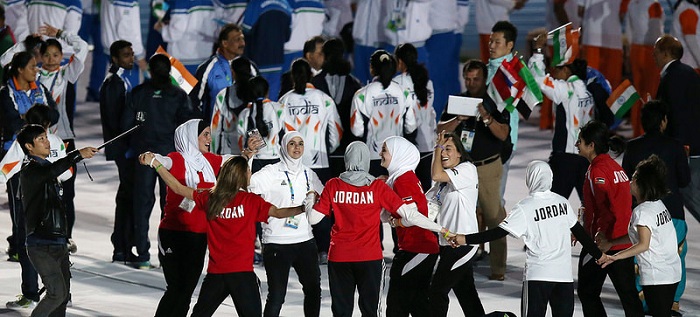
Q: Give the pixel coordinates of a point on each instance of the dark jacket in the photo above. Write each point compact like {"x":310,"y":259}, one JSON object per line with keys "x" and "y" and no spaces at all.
{"x":113,"y":100}
{"x":12,"y":120}
{"x":672,"y":153}
{"x":41,"y":196}
{"x":164,"y":111}
{"x":680,"y":89}
{"x":341,"y":88}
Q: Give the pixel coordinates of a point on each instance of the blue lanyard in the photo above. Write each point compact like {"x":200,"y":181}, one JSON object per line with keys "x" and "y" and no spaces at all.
{"x":291,"y":187}
{"x":437,"y":197}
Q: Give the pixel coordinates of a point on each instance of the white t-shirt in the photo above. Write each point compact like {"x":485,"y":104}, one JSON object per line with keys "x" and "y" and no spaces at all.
{"x":457,"y":200}
{"x":660,"y":264}
{"x":543,"y":220}
{"x":272,"y":184}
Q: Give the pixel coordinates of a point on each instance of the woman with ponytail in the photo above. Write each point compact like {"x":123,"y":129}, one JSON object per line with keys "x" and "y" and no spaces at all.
{"x":312,"y":113}
{"x":413,"y":77}
{"x":574,"y":106}
{"x":380,"y":109}
{"x":261,"y":114}
{"x":228,"y":105}
{"x":231,"y":214}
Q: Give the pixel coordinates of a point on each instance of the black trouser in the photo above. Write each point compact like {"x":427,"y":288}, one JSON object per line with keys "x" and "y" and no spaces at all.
{"x":537,"y":294}
{"x":303,"y":257}
{"x":459,"y":279}
{"x":660,"y":298}
{"x":30,"y":278}
{"x":144,"y":198}
{"x":569,"y":172}
{"x":69,"y":184}
{"x":322,"y":230}
{"x":122,"y":236}
{"x":243,"y":287}
{"x":51,"y":261}
{"x":590,"y":283}
{"x":181,"y":255}
{"x":408,"y":291}
{"x":344,"y":277}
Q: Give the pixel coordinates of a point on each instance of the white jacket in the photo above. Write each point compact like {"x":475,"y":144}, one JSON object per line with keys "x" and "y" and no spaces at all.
{"x":415,"y":26}
{"x":307,"y":22}
{"x":385,"y":112}
{"x":120,"y":20}
{"x":189,"y":34}
{"x":425,"y":114}
{"x":16,"y":18}
{"x":315,"y":116}
{"x":63,"y":14}
{"x":272,"y":112}
{"x":488,"y":12}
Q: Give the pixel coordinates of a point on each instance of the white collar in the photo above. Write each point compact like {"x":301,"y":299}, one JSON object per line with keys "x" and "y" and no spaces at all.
{"x":663,"y":70}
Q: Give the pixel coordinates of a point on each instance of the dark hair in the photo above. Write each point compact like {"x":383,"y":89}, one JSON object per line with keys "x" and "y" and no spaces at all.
{"x":419,"y":74}
{"x":117,"y":46}
{"x":228,"y":28}
{"x":31,"y":42}
{"x":159,"y":67}
{"x":510,"y":32}
{"x":459,"y":146}
{"x":474,"y":64}
{"x":653,"y":113}
{"x":301,"y":75}
{"x":232,"y":176}
{"x":384,"y":66}
{"x":240,"y":67}
{"x":670,"y":45}
{"x":38,"y":114}
{"x":597,"y":132}
{"x":27,"y":135}
{"x":258,"y":90}
{"x":650,"y":178}
{"x":310,"y":45}
{"x":50,"y":42}
{"x":579,"y":68}
{"x":19,"y":60}
{"x":334,"y":62}
{"x":2,"y":12}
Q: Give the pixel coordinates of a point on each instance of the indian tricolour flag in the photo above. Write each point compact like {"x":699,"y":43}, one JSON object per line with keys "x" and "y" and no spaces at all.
{"x":178,"y":73}
{"x":564,"y":44}
{"x":622,"y":99}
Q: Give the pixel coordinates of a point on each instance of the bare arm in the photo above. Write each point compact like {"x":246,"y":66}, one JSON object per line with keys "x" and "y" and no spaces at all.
{"x":285,"y":212}
{"x":438,"y":173}
{"x":641,"y":246}
{"x":500,"y":130}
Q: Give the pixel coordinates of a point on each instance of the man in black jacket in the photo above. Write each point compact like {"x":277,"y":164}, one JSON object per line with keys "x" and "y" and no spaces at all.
{"x":161,"y":107}
{"x":46,"y":224}
{"x":680,"y":89}
{"x":114,"y":93}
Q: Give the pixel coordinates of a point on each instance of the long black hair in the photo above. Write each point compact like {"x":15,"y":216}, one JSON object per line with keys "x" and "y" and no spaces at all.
{"x":597,"y":132}
{"x":579,"y":68}
{"x":384,"y":67}
{"x":258,"y":90}
{"x":408,"y":54}
{"x":159,"y":67}
{"x":19,"y":60}
{"x":334,"y":62}
{"x":240,"y":67}
{"x":301,"y":75}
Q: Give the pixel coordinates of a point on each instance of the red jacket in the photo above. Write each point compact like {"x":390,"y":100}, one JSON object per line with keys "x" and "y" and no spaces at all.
{"x":607,"y":199}
{"x":414,"y":239}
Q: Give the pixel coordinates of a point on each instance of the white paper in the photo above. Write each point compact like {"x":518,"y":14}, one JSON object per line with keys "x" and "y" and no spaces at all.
{"x":463,"y":106}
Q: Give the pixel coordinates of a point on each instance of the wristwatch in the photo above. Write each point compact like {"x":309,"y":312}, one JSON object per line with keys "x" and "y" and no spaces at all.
{"x":486,"y":121}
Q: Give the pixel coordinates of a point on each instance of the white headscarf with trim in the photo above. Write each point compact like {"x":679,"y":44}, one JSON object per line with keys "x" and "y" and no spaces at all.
{"x":293,"y":165}
{"x":187,"y":144}
{"x":404,"y":157}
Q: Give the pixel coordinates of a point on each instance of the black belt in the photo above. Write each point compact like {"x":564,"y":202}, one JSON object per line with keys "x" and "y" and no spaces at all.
{"x":487,"y":161}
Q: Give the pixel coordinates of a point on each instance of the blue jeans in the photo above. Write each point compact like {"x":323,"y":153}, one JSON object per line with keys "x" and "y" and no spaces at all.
{"x":51,"y":261}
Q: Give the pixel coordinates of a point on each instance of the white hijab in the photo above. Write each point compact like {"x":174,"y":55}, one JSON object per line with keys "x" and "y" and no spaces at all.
{"x":404,"y":157}
{"x":292,"y":165}
{"x":187,"y":144}
{"x":538,"y":177}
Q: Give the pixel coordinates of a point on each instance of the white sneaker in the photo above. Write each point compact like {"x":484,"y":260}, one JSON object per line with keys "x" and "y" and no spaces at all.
{"x":21,"y":302}
{"x":72,"y":247}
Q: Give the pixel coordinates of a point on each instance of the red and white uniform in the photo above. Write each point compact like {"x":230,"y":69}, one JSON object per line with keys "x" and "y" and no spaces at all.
{"x":686,"y":29}
{"x":414,"y":239}
{"x":315,"y":116}
{"x":231,"y":236}
{"x":607,"y":199}
{"x":174,"y":217}
{"x":356,"y":210}
{"x":388,"y":113}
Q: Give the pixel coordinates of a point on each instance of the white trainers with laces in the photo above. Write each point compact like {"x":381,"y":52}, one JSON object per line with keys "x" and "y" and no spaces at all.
{"x":21,"y":302}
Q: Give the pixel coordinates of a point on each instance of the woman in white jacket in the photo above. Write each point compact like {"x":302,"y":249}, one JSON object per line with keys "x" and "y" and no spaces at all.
{"x":381,"y":109}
